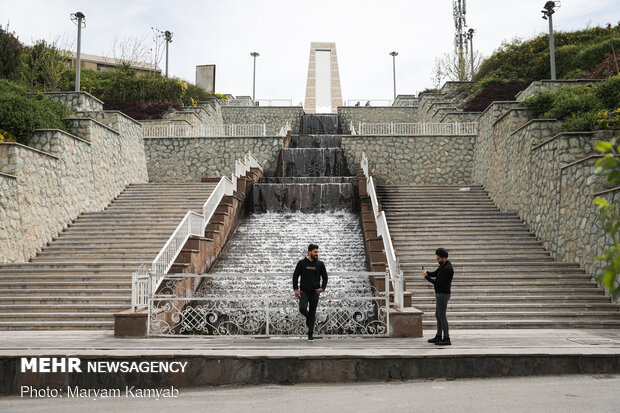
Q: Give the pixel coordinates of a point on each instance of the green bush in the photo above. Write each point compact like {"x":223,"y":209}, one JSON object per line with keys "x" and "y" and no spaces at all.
{"x":21,"y":114}
{"x":577,"y":53}
{"x":578,"y":107}
{"x":127,"y":86}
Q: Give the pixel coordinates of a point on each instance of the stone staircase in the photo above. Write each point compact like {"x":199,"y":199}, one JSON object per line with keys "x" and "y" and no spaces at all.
{"x":84,"y":275}
{"x":504,"y":277}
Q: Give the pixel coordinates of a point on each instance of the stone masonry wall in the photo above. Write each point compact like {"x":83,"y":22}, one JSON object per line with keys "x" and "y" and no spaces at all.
{"x":191,"y":159}
{"x":60,"y":175}
{"x":546,"y":177}
{"x":77,"y":101}
{"x":273,"y":117}
{"x":417,"y":160}
{"x":375,"y":114}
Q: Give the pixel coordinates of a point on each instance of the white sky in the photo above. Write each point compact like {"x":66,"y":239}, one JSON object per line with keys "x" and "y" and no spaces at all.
{"x":225,"y":32}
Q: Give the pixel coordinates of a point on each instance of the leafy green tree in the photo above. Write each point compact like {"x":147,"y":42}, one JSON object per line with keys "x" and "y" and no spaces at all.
{"x":10,"y":52}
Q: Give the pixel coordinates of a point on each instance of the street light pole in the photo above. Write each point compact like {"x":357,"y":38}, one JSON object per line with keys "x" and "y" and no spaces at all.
{"x":79,"y":19}
{"x":254,"y":55}
{"x":168,"y":37}
{"x":394,"y":54}
{"x":470,"y":37}
{"x":549,"y":9}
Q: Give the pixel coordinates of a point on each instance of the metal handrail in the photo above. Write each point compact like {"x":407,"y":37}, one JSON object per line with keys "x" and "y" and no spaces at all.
{"x":191,"y":131}
{"x":394,"y":273}
{"x":192,"y":224}
{"x":417,"y":129}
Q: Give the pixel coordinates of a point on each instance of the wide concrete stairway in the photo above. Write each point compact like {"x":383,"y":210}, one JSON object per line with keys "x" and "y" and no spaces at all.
{"x":504,"y":277}
{"x":84,"y":275}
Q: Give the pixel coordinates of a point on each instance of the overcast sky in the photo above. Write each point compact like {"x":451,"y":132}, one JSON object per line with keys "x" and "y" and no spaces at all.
{"x":225,"y":32}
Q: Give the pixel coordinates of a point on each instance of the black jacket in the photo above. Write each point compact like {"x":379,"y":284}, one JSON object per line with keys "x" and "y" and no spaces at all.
{"x":311,"y":272}
{"x":441,"y":278}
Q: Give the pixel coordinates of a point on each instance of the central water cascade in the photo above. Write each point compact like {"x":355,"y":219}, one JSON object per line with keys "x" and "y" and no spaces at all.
{"x":312,"y":200}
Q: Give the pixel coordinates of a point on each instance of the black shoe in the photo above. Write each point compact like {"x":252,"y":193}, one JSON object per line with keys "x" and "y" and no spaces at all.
{"x":444,"y":342}
{"x":310,"y":338}
{"x":434,"y":339}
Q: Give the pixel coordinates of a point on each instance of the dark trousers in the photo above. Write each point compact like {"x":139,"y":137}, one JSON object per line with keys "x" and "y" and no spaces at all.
{"x":310,"y":313}
{"x":441,"y":306}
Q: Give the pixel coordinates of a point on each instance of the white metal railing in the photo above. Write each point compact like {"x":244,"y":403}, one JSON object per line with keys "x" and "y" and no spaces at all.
{"x":192,"y":224}
{"x":417,"y":129}
{"x":182,"y":131}
{"x":285,"y":129}
{"x":393,"y":271}
{"x":369,"y":102}
{"x":275,"y":102}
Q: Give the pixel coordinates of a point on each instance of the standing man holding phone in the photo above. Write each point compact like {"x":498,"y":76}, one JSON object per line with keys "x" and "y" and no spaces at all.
{"x":313,"y":282}
{"x":441,"y":279}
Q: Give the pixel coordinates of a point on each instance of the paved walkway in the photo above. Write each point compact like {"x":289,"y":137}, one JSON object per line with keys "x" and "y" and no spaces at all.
{"x":465,"y":342}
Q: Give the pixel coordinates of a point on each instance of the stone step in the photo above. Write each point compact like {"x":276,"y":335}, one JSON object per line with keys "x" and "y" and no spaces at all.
{"x":56,"y":316}
{"x":61,"y":276}
{"x":100,"y":257}
{"x":518,"y":323}
{"x":29,"y":270}
{"x":123,"y":244}
{"x":530,"y":265}
{"x":460,"y":282}
{"x":56,"y":308}
{"x":81,"y":238}
{"x":69,"y":265}
{"x":135,"y":232}
{"x":66,"y":284}
{"x":87,"y":249}
{"x":68,"y":292}
{"x":529,"y":315}
{"x":57,"y":325}
{"x":546,"y":307}
{"x":70,"y":299}
{"x":508,"y":298}
{"x":472,"y":291}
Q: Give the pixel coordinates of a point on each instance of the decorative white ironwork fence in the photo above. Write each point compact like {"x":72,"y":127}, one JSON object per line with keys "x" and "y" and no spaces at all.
{"x":394,"y":273}
{"x":417,"y":129}
{"x":179,"y":310}
{"x":190,"y":131}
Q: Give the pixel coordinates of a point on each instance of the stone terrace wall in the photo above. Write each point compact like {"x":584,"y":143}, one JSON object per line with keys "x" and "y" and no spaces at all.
{"x":375,"y":114}
{"x":419,"y":160}
{"x":191,"y":159}
{"x":60,"y":176}
{"x":77,"y":101}
{"x":274,"y":117}
{"x":546,"y":177}
{"x":552,"y":85}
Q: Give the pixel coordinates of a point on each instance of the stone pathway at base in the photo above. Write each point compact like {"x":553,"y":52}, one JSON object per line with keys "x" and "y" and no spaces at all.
{"x":465,"y":342}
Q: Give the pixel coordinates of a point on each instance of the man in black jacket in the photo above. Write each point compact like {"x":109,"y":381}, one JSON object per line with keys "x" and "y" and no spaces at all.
{"x":313,"y":282}
{"x":441,"y":278}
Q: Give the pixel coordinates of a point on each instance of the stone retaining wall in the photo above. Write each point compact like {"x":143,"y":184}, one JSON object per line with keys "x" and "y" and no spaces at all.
{"x":417,"y":160}
{"x":77,"y":101}
{"x":546,"y":177}
{"x":191,"y":159}
{"x":58,"y":176}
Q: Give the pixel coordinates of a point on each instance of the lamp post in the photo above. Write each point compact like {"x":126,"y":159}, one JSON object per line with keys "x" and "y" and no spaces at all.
{"x":549,"y":9}
{"x":254,"y":55}
{"x":80,"y":21}
{"x":470,"y":37}
{"x":168,"y":37}
{"x":394,"y":54}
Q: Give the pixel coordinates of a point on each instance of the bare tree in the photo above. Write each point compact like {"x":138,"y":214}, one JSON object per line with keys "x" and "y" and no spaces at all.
{"x":128,"y":50}
{"x":450,"y":67}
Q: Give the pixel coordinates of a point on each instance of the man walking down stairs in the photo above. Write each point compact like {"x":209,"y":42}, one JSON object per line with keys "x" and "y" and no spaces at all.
{"x":83,"y":276}
{"x":506,"y":278}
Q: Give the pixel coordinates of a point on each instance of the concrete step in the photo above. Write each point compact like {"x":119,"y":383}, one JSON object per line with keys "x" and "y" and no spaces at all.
{"x":517,"y":323}
{"x":55,"y":316}
{"x":546,"y":307}
{"x":68,"y":299}
{"x":57,"y":308}
{"x":595,"y":315}
{"x":68,"y":292}
{"x":71,"y":265}
{"x":508,"y":298}
{"x":100,"y":257}
{"x":57,"y":325}
{"x":65,"y":284}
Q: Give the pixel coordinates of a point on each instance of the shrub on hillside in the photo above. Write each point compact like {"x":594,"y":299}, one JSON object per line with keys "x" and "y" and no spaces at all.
{"x":140,"y":109}
{"x":492,"y":92}
{"x":578,"y":107}
{"x":21,"y":114}
{"x":127,"y":86}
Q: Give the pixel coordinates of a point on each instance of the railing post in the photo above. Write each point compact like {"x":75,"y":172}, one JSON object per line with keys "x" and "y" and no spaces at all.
{"x":264,"y":130}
